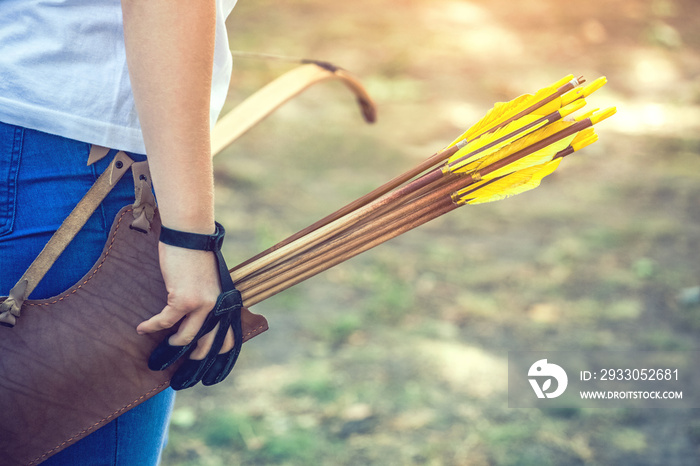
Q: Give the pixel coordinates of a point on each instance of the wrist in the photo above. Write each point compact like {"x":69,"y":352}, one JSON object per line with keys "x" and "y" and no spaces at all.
{"x":187,"y":216}
{"x":200,"y":228}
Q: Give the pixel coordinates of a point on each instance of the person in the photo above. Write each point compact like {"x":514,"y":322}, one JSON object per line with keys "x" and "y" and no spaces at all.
{"x":145,"y":77}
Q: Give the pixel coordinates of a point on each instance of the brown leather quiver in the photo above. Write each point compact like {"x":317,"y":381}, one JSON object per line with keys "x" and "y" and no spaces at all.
{"x":74,"y":362}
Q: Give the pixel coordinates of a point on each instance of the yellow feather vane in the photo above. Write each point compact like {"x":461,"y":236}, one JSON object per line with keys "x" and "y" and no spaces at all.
{"x":536,"y":158}
{"x":526,"y":173}
{"x":571,"y":96}
{"x":493,"y":189}
{"x":584,"y":138}
{"x":507,"y":186}
{"x":503,"y":111}
{"x":491,"y":142}
{"x":498,"y":139}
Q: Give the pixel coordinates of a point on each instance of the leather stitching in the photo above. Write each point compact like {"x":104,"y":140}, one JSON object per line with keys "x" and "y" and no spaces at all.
{"x":254,"y":330}
{"x":99,"y":266}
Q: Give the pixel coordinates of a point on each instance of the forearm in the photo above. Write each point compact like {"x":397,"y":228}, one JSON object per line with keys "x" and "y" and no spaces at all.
{"x":170,"y":47}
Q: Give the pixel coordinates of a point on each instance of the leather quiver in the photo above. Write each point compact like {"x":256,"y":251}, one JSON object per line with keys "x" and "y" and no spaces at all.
{"x":74,"y":362}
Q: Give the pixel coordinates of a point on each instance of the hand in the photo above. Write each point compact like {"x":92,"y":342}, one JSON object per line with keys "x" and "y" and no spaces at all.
{"x":192,"y":281}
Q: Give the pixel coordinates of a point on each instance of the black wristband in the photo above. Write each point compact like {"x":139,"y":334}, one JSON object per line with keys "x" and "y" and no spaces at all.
{"x":201,"y":242}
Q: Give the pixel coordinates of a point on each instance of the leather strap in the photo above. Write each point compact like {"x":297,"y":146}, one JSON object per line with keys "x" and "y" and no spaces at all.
{"x":10,"y":308}
{"x":145,"y":202}
{"x":97,"y":153}
{"x":200,"y":242}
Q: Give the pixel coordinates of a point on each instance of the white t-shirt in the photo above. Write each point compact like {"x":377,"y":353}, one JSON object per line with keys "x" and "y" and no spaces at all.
{"x":63,"y":70}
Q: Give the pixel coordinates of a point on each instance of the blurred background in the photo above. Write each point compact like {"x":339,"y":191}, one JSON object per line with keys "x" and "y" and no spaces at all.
{"x":399,"y":356}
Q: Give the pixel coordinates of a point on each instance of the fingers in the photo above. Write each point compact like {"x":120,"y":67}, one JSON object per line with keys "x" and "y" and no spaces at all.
{"x":189,"y":328}
{"x":204,"y":363}
{"x":204,"y":344}
{"x":165,"y":319}
{"x":229,"y":342}
{"x":195,"y":324}
{"x":220,"y":368}
{"x":212,"y":355}
{"x":198,"y":333}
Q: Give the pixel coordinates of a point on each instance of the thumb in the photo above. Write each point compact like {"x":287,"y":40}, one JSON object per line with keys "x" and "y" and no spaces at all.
{"x":165,"y":319}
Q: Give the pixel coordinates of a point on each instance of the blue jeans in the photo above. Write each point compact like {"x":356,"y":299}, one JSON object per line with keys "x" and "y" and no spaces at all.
{"x":42,"y":177}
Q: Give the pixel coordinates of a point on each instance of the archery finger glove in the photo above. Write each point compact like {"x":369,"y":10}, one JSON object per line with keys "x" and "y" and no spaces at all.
{"x":226,"y":312}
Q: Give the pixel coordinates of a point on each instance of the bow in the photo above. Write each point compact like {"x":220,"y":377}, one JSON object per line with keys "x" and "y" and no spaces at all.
{"x":269,"y":98}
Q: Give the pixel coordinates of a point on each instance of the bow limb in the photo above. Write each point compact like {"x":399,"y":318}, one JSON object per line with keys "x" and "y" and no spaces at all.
{"x":266,"y":100}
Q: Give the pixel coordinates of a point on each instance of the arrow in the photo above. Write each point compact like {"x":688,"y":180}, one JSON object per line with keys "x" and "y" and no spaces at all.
{"x":506,"y":153}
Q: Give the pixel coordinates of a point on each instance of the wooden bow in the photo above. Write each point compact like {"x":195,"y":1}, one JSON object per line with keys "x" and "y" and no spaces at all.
{"x":262,"y":103}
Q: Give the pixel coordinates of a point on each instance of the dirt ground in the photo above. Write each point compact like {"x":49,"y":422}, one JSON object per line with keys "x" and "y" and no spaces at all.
{"x":399,"y":356}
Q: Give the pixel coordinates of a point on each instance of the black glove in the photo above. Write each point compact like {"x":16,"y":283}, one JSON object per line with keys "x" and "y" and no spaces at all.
{"x":227,"y":313}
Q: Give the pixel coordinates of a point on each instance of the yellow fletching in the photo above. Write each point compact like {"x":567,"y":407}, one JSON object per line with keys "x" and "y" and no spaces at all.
{"x":586,"y":115}
{"x":512,"y":184}
{"x":517,"y":146}
{"x":466,"y":193}
{"x":498,"y":110}
{"x":536,"y":158}
{"x":607,"y":113}
{"x":573,"y":95}
{"x":582,"y":92}
{"x":562,"y":81}
{"x":508,"y":133}
{"x":572,"y":107}
{"x":596,"y":115}
{"x":549,"y":107}
{"x":578,"y":145}
{"x":594,"y":86}
{"x":583,"y":135}
{"x":558,"y":104}
{"x":497,"y":154}
{"x":543,"y":94}
{"x":503,"y":111}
